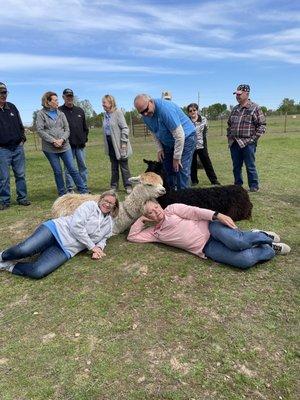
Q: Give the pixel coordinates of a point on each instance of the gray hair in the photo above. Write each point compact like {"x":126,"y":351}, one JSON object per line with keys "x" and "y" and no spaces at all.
{"x":143,"y":96}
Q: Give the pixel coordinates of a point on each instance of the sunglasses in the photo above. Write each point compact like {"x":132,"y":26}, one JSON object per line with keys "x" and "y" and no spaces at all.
{"x":192,"y":110}
{"x":145,"y":110}
{"x":4,"y":92}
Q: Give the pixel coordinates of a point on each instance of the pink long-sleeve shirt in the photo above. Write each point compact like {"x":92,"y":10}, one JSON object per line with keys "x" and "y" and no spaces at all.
{"x":184,"y":226}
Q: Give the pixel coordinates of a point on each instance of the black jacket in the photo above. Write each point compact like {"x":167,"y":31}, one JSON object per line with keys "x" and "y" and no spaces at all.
{"x":12,"y":130}
{"x":77,"y":124}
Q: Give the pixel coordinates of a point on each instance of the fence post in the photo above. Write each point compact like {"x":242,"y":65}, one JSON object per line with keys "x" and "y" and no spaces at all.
{"x":285,"y":121}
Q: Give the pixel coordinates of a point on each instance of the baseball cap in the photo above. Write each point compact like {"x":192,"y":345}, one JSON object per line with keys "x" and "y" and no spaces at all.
{"x":3,"y":86}
{"x":242,"y":88}
{"x":167,"y":95}
{"x":68,"y":92}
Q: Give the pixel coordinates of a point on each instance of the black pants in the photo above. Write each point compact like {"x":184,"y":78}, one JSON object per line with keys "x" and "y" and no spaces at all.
{"x":115,"y":164}
{"x":207,"y":165}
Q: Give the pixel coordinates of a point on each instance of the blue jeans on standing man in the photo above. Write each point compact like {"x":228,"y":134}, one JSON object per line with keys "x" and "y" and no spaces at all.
{"x":79,"y":156}
{"x":244,"y":155}
{"x":67,"y":158}
{"x":41,"y":241}
{"x":180,"y":179}
{"x":12,"y":157}
{"x":241,"y":249}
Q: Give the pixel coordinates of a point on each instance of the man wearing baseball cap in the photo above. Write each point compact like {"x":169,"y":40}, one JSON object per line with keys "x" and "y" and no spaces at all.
{"x":12,"y":138}
{"x":78,"y":137}
{"x":246,"y":123}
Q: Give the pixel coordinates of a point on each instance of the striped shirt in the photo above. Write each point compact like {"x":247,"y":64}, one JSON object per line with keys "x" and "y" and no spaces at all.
{"x":245,"y":124}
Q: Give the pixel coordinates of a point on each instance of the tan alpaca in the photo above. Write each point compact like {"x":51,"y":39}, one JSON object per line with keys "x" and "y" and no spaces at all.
{"x":149,"y":186}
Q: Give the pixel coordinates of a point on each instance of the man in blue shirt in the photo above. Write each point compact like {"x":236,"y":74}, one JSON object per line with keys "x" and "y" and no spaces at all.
{"x":174,"y":134}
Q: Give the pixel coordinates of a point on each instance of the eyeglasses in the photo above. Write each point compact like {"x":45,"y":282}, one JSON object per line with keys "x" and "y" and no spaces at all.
{"x":108,"y":203}
{"x":192,"y":110}
{"x":145,"y":110}
{"x":4,"y":92}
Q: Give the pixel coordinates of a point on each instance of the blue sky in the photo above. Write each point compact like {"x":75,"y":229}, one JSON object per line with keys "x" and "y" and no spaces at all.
{"x":133,"y":46}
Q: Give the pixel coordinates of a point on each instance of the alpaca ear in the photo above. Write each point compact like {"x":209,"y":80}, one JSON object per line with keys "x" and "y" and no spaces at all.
{"x":135,"y":179}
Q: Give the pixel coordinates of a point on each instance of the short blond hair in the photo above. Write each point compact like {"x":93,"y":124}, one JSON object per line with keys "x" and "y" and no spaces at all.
{"x":111,"y":99}
{"x":144,"y":208}
{"x":46,"y":98}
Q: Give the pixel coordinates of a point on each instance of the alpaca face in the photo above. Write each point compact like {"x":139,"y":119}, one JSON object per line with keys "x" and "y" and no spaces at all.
{"x":151,"y":183}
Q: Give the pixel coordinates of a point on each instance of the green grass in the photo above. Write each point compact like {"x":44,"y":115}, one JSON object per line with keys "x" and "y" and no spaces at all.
{"x":151,"y":322}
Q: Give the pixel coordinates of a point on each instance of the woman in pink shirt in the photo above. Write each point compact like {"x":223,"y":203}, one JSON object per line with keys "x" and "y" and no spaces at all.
{"x":205,"y":233}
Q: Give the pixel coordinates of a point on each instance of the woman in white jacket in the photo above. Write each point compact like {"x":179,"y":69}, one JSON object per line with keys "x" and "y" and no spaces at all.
{"x":59,"y":239}
{"x":116,"y":142}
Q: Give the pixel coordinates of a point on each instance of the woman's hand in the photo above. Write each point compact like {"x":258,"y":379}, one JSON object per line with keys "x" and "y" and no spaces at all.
{"x":226,"y":220}
{"x":176,"y":165}
{"x":97,"y":253}
{"x":160,"y":155}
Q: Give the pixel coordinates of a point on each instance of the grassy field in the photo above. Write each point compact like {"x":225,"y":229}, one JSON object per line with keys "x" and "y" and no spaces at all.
{"x":150,"y":322}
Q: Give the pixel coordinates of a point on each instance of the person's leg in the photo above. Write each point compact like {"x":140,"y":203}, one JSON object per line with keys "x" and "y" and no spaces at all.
{"x":237,"y":163}
{"x":18,"y":166}
{"x":114,"y":164}
{"x":168,"y":167}
{"x":236,"y":239}
{"x":183,"y":176}
{"x":37,"y":242}
{"x":48,"y":261}
{"x":5,"y":162}
{"x":125,"y":173}
{"x":249,"y":159}
{"x":54,"y":161}
{"x":69,"y":181}
{"x":207,"y":165}
{"x":194,"y":177}
{"x":243,"y":259}
{"x":82,"y":168}
{"x":67,"y":158}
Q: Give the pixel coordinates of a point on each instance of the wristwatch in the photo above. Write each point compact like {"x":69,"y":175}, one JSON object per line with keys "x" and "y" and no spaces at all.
{"x":215,"y":215}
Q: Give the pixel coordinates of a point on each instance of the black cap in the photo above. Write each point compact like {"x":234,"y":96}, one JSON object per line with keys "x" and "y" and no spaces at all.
{"x":242,"y":88}
{"x":68,"y":92}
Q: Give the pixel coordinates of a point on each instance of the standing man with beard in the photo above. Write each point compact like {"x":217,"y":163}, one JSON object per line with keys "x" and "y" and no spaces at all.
{"x":78,"y":137}
{"x":246,"y":124}
{"x":12,"y":138}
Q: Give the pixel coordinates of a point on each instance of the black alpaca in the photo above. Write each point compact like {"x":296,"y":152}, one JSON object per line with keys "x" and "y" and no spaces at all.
{"x":231,"y":200}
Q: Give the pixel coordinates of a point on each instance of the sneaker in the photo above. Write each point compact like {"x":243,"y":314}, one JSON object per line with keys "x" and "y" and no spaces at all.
{"x":7,"y":265}
{"x":72,"y":191}
{"x":281,"y":248}
{"x":272,"y":235}
{"x":113,"y":189}
{"x":128,"y":189}
{"x":254,"y":189}
{"x":24,"y":202}
{"x":3,"y":206}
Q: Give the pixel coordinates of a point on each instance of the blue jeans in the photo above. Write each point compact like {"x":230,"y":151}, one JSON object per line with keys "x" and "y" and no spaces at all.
{"x":244,"y":155}
{"x":181,"y":179}
{"x":67,"y":158}
{"x":241,"y":249}
{"x":41,"y":241}
{"x":79,"y":156}
{"x":12,"y":157}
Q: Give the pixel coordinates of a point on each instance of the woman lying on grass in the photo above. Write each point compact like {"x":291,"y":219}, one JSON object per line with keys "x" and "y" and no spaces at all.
{"x":59,"y":239}
{"x":205,"y":233}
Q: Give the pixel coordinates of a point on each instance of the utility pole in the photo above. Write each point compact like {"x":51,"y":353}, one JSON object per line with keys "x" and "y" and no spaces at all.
{"x":198,"y":99}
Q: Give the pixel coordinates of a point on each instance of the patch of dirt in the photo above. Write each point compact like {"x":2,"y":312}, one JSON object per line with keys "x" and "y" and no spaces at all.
{"x":178,"y":366}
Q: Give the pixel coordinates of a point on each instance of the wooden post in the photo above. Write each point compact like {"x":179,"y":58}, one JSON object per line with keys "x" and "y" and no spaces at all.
{"x":285,"y":122}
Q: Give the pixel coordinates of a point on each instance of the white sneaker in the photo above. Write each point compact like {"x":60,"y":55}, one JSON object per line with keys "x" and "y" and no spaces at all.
{"x":1,"y":255}
{"x":272,"y":235}
{"x":7,"y":265}
{"x":281,"y":248}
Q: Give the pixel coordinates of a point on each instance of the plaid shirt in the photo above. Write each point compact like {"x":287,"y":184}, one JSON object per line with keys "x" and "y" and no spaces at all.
{"x":245,"y":124}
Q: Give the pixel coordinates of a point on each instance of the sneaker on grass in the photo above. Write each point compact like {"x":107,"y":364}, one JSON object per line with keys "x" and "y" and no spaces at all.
{"x":272,"y":235}
{"x":281,"y":248}
{"x":7,"y":265}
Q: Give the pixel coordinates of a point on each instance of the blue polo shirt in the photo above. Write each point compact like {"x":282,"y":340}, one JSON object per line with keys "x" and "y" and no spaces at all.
{"x":166,"y":118}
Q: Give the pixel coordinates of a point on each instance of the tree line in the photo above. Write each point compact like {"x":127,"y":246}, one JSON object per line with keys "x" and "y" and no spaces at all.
{"x":212,"y":112}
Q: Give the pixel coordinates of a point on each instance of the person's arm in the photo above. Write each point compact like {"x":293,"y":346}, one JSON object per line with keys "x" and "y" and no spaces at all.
{"x":259,"y":122}
{"x":41,"y":130}
{"x":22,"y":129}
{"x":123,"y":127}
{"x":190,"y":212}
{"x":78,"y":224}
{"x":84,"y":125}
{"x":178,"y":135}
{"x":160,"y":150}
{"x":139,"y":234}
